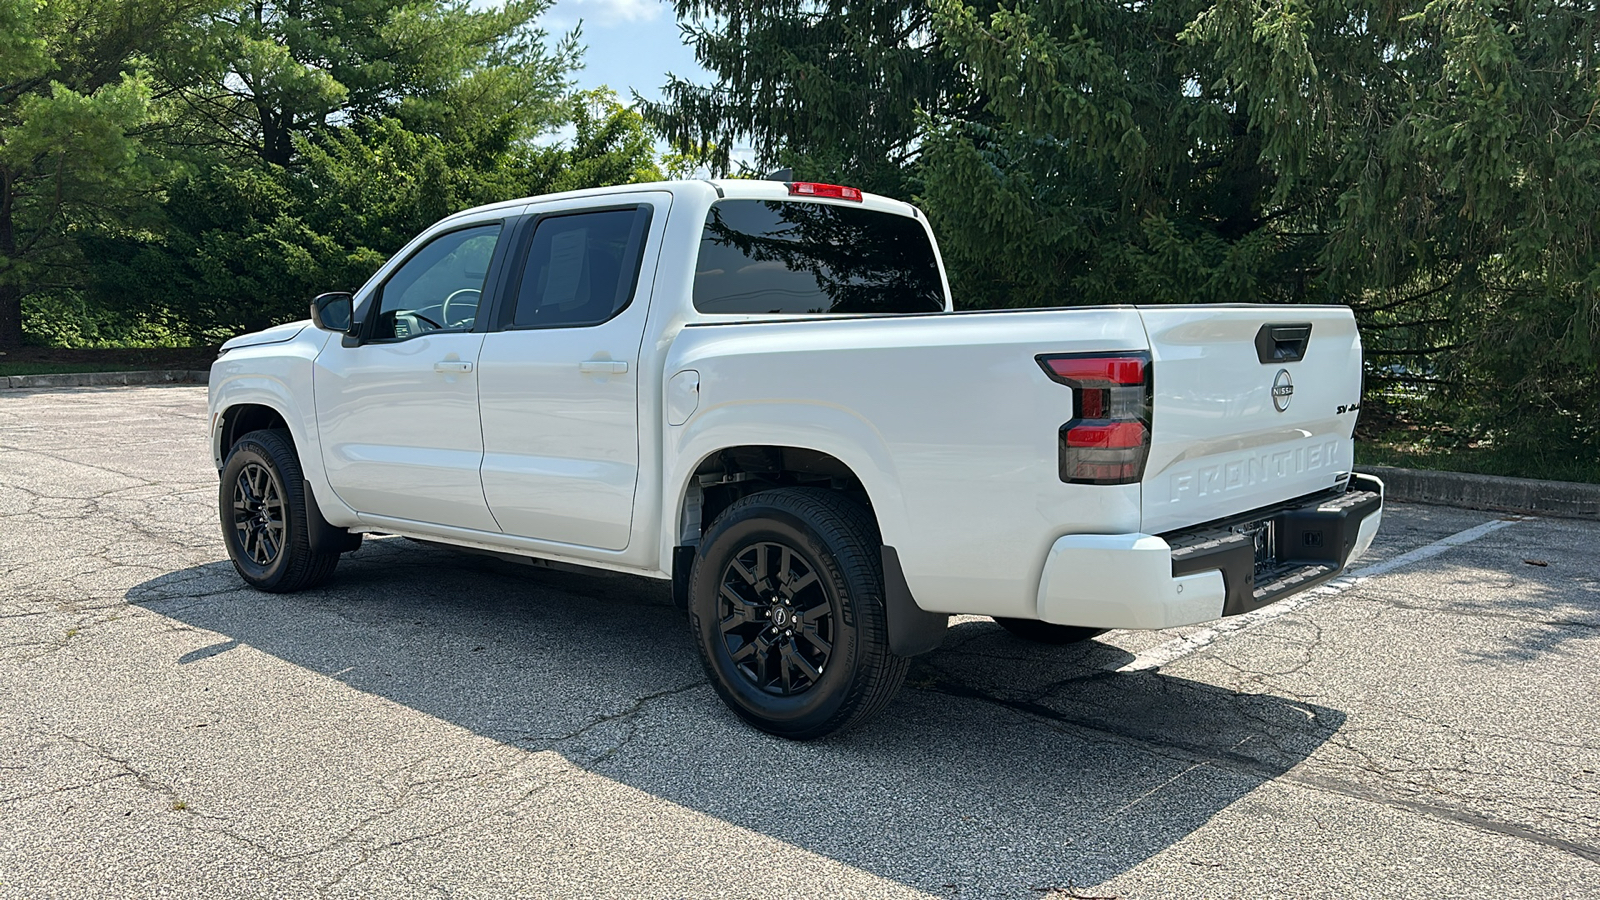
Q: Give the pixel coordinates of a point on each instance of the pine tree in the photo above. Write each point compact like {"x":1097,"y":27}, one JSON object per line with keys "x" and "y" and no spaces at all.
{"x":834,"y":90}
{"x":1431,"y":163}
{"x":71,"y":97}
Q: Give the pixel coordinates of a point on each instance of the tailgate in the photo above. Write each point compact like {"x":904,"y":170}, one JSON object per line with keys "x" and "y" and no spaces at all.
{"x":1252,"y":405}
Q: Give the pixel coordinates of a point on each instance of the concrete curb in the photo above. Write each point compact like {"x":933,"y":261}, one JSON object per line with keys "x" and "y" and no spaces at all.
{"x":104,"y":379}
{"x":1565,"y":499}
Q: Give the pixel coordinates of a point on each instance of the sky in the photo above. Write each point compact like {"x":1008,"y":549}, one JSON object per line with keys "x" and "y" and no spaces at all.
{"x":631,"y":44}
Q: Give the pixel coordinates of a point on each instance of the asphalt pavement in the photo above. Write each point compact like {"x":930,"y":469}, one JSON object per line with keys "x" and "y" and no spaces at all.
{"x":433,"y":724}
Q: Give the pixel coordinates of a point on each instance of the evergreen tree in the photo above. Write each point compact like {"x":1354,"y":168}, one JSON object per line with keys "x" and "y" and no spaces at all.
{"x":245,"y":247}
{"x":834,"y":90}
{"x":71,"y":98}
{"x":267,"y":72}
{"x":1431,"y":163}
{"x":1459,"y":145}
{"x":331,"y":131}
{"x":1108,"y":167}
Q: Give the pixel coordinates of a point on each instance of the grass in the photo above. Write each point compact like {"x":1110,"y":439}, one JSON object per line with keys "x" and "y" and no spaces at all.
{"x":1405,"y":452}
{"x":1412,"y":431}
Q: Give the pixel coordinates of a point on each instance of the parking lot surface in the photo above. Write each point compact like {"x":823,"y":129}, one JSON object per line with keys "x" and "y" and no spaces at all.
{"x":436,"y":724}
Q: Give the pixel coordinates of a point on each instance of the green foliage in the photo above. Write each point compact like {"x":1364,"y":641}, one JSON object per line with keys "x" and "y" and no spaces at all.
{"x":831,"y":89}
{"x":395,"y":115}
{"x":66,"y":319}
{"x":1435,"y":164}
{"x":1105,"y":169}
{"x":71,"y":101}
{"x":610,"y":145}
{"x":267,"y":72}
{"x":1459,"y":144}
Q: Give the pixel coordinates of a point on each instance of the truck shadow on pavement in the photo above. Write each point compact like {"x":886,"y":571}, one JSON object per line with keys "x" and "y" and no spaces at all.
{"x":1002,"y":768}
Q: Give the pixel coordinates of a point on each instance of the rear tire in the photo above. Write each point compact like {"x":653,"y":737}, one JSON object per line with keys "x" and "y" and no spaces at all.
{"x":262,"y":504}
{"x":1048,"y":633}
{"x":786,"y":605}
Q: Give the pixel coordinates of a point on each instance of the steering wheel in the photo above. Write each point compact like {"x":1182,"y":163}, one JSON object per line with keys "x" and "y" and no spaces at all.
{"x":453,"y":321}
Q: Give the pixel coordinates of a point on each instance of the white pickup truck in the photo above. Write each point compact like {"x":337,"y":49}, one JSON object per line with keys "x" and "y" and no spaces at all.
{"x":759,"y":390}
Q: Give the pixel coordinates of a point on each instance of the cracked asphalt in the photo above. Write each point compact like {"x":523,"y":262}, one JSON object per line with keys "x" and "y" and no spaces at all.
{"x":435,"y":724}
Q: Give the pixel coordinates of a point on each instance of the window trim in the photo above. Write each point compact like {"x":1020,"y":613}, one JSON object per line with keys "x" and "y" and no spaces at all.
{"x":491,"y":281}
{"x":518,"y":264}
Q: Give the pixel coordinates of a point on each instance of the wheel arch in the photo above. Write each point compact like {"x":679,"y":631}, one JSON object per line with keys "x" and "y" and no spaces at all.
{"x":722,"y":476}
{"x":272,"y":390}
{"x":243,"y":400}
{"x":840,"y":440}
{"x":234,"y":422}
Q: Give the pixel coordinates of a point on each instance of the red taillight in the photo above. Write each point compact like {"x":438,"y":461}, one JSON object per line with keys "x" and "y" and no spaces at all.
{"x":1116,"y":436}
{"x":814,"y":189}
{"x":1108,"y":439}
{"x":1097,"y":369}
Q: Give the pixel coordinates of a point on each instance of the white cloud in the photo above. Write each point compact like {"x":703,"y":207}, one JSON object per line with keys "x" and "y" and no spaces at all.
{"x":602,"y":13}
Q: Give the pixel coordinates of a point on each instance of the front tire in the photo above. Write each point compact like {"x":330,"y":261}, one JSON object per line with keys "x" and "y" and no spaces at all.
{"x":261,"y":501}
{"x":786,"y":604}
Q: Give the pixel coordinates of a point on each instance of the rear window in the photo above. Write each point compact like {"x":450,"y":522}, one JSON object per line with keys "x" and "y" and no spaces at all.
{"x":766,"y":256}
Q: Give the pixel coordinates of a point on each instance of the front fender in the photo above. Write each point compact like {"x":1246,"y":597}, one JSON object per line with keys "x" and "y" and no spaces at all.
{"x":278,"y":376}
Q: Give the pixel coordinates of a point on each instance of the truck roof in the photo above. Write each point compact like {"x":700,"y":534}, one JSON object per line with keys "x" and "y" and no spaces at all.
{"x":724,"y":188}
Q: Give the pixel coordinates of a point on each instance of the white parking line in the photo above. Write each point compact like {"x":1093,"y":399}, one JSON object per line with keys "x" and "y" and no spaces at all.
{"x":1178,"y":648}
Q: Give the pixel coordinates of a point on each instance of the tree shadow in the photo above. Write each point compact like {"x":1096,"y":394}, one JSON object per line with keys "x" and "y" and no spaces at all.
{"x":1539,"y":582}
{"x":1554,"y":609}
{"x":1002,"y":765}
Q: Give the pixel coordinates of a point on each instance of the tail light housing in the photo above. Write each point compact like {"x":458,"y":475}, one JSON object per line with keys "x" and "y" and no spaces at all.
{"x":1108,"y":439}
{"x":817,"y":189}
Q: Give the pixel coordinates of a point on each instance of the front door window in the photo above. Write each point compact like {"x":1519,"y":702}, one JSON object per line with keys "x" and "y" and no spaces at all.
{"x":439,"y":287}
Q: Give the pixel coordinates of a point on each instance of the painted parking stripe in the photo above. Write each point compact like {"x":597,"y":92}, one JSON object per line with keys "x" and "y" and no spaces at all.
{"x":1178,"y":648}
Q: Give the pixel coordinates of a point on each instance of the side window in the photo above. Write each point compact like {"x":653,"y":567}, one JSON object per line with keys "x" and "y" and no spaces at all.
{"x":439,"y":287}
{"x":581,"y":269}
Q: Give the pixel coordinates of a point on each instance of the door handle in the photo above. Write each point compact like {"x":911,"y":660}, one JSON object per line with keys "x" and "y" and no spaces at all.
{"x":603,"y":366}
{"x":452,"y":367}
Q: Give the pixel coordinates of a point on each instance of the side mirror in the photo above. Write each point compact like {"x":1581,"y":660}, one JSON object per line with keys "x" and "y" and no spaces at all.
{"x":333,"y":311}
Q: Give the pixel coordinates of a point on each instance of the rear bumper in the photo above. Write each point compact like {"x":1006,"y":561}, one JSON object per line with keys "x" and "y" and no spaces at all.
{"x":1219,"y":569}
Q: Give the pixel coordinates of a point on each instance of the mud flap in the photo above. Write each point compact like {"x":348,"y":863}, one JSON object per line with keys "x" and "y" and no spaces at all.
{"x":912,"y":629}
{"x":323,"y":537}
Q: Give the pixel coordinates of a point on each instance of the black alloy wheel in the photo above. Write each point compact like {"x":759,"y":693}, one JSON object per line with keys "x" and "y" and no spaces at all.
{"x":786,"y":608}
{"x":777,"y":619}
{"x":261,"y":500}
{"x":259,"y":515}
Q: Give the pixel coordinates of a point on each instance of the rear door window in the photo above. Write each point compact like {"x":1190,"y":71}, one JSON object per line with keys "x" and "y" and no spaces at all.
{"x":581,"y":268}
{"x":764,"y":257}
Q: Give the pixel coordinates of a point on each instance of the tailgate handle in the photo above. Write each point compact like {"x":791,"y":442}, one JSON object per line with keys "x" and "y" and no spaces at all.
{"x":1282,"y":343}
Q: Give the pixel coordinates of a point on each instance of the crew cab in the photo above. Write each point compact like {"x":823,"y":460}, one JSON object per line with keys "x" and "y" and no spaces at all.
{"x":759,"y":390}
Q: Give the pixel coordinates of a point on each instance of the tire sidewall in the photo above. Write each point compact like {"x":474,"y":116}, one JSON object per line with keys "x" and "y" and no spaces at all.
{"x":248,"y":450}
{"x":810,"y":709}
